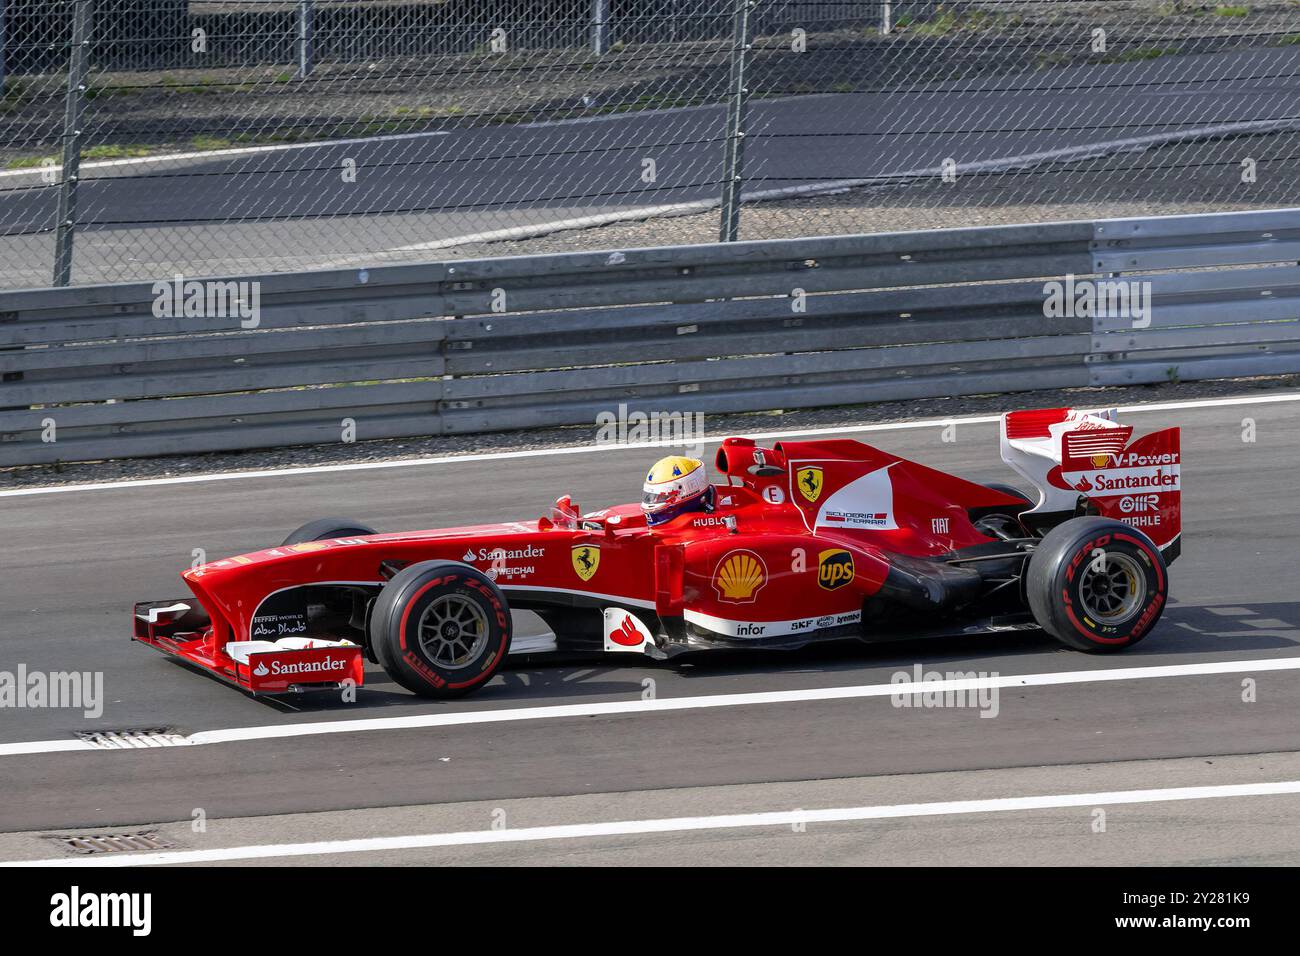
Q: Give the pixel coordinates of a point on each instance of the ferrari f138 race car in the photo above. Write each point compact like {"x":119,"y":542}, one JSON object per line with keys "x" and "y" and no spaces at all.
{"x":800,"y":542}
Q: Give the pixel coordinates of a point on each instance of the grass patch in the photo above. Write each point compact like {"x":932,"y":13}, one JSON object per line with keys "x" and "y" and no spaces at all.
{"x":946,"y":21}
{"x":29,"y":162}
{"x":116,"y":151}
{"x":1231,"y":10}
{"x":1045,"y":61}
{"x":206,"y":142}
{"x":1179,"y":8}
{"x":413,"y":113}
{"x":1141,"y":53}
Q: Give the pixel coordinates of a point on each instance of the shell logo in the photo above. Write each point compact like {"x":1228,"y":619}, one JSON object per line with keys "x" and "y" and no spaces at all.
{"x":1100,"y":461}
{"x":739,"y":577}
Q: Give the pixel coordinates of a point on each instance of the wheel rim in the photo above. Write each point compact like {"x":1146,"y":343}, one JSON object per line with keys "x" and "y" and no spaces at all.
{"x":453,"y":631}
{"x":1113,"y":588}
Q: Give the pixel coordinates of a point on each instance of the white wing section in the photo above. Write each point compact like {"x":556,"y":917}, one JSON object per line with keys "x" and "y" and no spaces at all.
{"x":1031,"y":445}
{"x":865,"y":503}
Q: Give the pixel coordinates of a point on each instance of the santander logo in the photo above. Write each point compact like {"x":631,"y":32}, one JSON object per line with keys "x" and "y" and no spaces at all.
{"x":626,"y":634}
{"x":322,"y":665}
{"x":624,"y":631}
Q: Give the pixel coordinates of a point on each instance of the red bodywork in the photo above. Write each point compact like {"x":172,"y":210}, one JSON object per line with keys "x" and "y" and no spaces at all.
{"x":801,"y":535}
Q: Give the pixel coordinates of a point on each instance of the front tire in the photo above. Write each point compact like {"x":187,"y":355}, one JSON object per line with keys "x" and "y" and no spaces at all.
{"x":326,"y":529}
{"x":1097,"y":585}
{"x":440,"y":629}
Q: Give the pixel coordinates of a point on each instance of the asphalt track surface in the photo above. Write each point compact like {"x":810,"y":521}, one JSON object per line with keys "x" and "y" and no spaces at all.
{"x":420,"y":190}
{"x":74,"y":561}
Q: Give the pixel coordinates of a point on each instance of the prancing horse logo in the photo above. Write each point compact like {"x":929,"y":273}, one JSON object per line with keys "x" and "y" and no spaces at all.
{"x":586,"y":559}
{"x":809,"y":481}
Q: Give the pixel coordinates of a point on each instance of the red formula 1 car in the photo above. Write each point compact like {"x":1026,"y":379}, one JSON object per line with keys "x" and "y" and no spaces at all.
{"x":805,"y":541}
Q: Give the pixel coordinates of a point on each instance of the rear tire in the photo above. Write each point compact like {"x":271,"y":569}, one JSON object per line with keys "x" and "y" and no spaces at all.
{"x":325,"y":529}
{"x":440,"y":629}
{"x":1011,"y":490}
{"x":1003,"y":521}
{"x":1097,"y":585}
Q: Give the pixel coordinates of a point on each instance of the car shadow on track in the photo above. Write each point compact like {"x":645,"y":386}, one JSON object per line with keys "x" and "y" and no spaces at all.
{"x":1185,"y":631}
{"x":1215,"y":628}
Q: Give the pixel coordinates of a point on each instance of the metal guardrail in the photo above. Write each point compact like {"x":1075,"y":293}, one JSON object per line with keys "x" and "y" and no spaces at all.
{"x":463,"y":346}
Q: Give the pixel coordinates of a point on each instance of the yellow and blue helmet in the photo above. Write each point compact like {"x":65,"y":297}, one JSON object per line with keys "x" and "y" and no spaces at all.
{"x":674,"y":485}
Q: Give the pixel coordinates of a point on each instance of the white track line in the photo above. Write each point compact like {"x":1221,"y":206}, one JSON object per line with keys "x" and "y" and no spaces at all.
{"x":665,"y":705}
{"x":206,"y":154}
{"x":592,"y":448}
{"x":572,"y":831}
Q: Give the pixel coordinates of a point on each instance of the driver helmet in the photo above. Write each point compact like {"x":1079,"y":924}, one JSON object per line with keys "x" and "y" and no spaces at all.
{"x":674,"y":486}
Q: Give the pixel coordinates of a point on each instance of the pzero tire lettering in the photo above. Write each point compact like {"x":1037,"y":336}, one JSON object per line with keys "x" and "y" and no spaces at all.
{"x":1095,"y":584}
{"x":440,"y":628}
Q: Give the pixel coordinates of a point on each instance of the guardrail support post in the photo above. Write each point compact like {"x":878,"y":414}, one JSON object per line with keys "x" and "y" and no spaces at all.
{"x":733,"y":165}
{"x":78,"y":54}
{"x":886,"y":18}
{"x":2,"y":45}
{"x":600,"y":27}
{"x":306,"y":34}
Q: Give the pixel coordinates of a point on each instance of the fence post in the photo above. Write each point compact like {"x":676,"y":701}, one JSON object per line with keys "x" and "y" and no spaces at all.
{"x":306,"y":34}
{"x":886,"y":17}
{"x":78,"y":54}
{"x":599,"y":27}
{"x":3,"y":3}
{"x":733,"y":164}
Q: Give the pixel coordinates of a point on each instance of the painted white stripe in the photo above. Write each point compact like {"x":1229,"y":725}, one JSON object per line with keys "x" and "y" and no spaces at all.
{"x":665,"y":705}
{"x":730,"y":821}
{"x":758,"y":630}
{"x":603,"y":449}
{"x":205,"y":154}
{"x":538,"y":229}
{"x":46,"y":747}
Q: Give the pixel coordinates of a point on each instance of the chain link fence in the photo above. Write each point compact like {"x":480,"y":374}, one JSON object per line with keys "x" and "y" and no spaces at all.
{"x":145,"y":138}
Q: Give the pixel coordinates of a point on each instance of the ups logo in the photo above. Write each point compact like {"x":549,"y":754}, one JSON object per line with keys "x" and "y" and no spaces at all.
{"x":834,"y":569}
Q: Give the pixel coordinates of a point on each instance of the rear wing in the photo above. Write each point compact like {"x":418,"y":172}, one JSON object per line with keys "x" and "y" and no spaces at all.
{"x":1067,"y":452}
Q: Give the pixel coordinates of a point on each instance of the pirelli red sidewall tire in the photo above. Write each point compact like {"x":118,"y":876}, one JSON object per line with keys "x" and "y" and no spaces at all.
{"x":1097,"y":585}
{"x":440,"y":628}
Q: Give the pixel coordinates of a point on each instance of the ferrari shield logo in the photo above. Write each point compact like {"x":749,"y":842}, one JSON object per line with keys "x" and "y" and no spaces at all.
{"x":586,"y":559}
{"x":809,"y":482}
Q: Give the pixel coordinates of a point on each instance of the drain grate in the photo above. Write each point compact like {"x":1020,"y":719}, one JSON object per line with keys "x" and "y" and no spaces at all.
{"x":87,"y":843}
{"x":133,"y":739}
